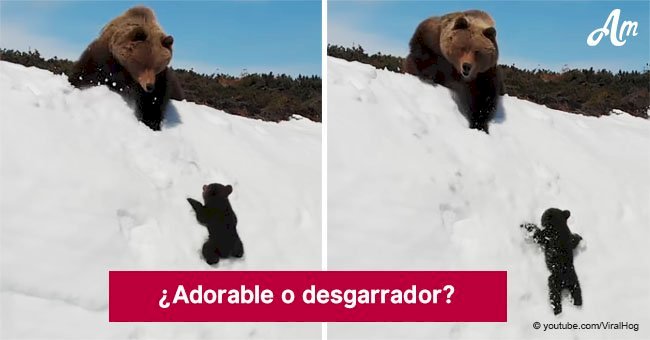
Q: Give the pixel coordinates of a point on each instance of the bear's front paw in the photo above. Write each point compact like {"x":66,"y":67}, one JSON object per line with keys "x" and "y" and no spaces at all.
{"x":212,"y":261}
{"x":528,"y":226}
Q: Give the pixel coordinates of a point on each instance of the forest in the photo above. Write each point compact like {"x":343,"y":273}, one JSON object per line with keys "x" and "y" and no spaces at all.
{"x":268,"y":97}
{"x":274,"y":97}
{"x":586,"y":91}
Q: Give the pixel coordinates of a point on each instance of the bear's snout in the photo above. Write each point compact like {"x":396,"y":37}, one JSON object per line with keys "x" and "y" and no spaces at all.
{"x":467,"y":69}
{"x":147,"y":80}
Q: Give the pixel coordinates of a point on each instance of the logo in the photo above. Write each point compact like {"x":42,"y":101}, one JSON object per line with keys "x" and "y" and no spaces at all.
{"x":612,"y":29}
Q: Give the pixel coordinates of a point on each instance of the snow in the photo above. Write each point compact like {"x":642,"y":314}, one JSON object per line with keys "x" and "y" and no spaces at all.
{"x":410,"y":187}
{"x":86,"y":188}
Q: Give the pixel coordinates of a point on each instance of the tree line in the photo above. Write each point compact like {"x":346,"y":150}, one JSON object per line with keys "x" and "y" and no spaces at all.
{"x":268,"y":97}
{"x":583,"y":91}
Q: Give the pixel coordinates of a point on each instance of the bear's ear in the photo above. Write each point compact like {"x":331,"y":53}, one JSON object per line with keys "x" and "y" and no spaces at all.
{"x":461,"y":23}
{"x":228,"y":190}
{"x":167,"y":41}
{"x":567,"y":214}
{"x":490,"y":33}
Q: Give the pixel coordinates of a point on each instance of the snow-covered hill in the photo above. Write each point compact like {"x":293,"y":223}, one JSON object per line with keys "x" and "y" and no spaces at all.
{"x":87,"y":188}
{"x":411,"y":187}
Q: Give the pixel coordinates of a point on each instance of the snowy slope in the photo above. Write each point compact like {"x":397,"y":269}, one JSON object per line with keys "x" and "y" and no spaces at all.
{"x":411,"y":187}
{"x":87,"y":188}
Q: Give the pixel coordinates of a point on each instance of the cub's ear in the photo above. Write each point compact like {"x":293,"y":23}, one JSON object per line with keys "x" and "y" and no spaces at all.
{"x":567,"y":214}
{"x":461,"y":23}
{"x":167,"y":41}
{"x":228,"y":190}
{"x":490,"y":33}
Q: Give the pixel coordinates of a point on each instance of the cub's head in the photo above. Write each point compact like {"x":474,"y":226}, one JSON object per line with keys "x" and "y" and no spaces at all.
{"x":556,"y":219}
{"x":139,"y":44}
{"x":216,"y":191}
{"x":469,"y":44}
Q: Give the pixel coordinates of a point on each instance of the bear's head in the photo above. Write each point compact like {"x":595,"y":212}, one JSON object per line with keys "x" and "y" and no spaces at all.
{"x":556,"y":219}
{"x":139,"y":44}
{"x":216,"y":191}
{"x":470,"y":45}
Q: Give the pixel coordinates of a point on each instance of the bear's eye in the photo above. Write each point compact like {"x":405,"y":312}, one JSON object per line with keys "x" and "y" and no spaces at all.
{"x":490,"y":33}
{"x":461,"y":23}
{"x":139,"y":35}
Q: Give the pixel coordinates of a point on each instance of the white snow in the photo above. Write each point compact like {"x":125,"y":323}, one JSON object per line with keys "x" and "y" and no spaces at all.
{"x":86,"y":188}
{"x":410,"y":187}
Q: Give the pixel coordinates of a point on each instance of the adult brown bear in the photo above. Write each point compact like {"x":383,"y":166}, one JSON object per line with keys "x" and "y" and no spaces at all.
{"x":131,"y":57}
{"x":459,"y":51}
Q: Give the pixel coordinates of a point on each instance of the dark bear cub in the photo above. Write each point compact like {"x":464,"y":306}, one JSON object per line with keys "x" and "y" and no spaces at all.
{"x":217,"y":215}
{"x":131,"y":57}
{"x":558,"y":243}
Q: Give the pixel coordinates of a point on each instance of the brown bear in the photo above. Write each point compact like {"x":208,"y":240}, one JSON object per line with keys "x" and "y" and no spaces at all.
{"x":459,"y":51}
{"x":131,"y":57}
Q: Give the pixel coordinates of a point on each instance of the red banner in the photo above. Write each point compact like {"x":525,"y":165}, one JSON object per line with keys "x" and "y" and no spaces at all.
{"x":308,"y":296}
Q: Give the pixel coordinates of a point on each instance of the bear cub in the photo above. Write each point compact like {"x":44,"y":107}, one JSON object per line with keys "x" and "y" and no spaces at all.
{"x":217,"y":215}
{"x":131,"y":57}
{"x":558,"y":243}
{"x":459,"y":51}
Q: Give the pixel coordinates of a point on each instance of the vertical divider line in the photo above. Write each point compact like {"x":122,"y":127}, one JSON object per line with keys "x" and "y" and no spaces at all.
{"x":324,"y":147}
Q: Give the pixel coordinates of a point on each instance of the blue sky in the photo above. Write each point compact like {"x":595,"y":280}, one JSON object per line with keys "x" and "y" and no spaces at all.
{"x":531,"y":34}
{"x":224,"y":37}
